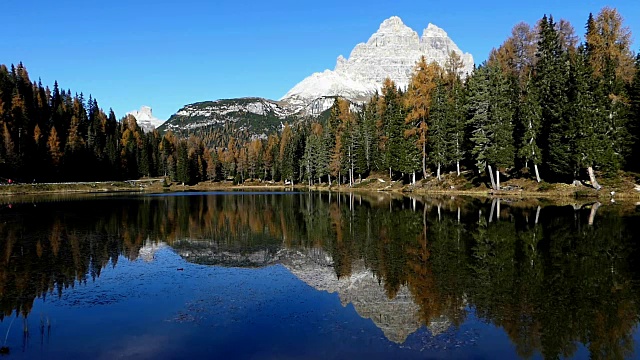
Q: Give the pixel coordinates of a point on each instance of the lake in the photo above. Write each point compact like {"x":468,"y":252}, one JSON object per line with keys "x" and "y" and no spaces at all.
{"x":316,"y":276}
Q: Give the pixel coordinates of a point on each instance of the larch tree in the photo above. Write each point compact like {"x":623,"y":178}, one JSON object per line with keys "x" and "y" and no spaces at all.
{"x":608,"y":52}
{"x":418,"y":100}
{"x":53,"y":146}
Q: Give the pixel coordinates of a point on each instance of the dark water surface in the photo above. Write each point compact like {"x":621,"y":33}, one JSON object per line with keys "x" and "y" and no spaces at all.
{"x":317,"y":276}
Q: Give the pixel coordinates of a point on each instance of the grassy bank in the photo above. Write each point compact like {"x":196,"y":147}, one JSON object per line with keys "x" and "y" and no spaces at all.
{"x":623,"y":187}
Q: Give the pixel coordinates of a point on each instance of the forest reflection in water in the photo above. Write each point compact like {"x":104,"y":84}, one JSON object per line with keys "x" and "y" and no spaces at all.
{"x":554,"y":278}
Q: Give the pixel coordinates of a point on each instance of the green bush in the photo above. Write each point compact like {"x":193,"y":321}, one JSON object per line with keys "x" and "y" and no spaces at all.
{"x":545,"y":186}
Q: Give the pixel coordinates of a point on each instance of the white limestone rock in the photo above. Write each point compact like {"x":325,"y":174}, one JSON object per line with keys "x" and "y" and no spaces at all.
{"x":145,"y":119}
{"x":390,"y":52}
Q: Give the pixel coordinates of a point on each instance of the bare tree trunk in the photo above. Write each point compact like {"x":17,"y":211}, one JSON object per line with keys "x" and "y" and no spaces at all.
{"x":592,"y":177}
{"x":413,"y":179}
{"x":329,"y":180}
{"x":439,"y":178}
{"x":458,"y":166}
{"x":493,"y":208}
{"x":493,"y":183}
{"x":535,"y":166}
{"x":390,"y":177}
{"x":594,"y":210}
{"x":424,"y":159}
{"x":497,"y":179}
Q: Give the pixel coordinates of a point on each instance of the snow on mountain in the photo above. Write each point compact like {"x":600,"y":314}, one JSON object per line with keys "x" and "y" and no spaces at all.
{"x":390,"y":52}
{"x":145,"y":119}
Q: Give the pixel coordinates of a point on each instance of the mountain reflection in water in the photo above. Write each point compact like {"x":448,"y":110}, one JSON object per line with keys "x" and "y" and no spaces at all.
{"x":554,"y":278}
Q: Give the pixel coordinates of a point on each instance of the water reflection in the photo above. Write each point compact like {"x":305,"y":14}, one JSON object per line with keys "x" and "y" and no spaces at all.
{"x":553,"y":277}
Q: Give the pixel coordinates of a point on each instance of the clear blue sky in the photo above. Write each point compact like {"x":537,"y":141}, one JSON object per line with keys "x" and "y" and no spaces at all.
{"x":166,"y":54}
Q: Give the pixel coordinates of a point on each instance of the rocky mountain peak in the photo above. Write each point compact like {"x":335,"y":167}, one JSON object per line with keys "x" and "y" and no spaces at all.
{"x":145,"y":119}
{"x":392,"y":52}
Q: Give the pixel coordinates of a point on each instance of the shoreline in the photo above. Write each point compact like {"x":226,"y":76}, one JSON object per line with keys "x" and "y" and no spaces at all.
{"x":155,"y":186}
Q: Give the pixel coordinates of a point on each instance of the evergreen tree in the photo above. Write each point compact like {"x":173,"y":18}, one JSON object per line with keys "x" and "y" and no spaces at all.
{"x":439,"y":129}
{"x":478,"y":104}
{"x":551,"y":82}
{"x":634,"y":114}
{"x":183,"y":172}
{"x":501,"y":111}
{"x":530,"y":116}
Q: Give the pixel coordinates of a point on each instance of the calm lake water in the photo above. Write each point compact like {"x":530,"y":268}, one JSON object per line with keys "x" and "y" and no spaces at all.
{"x":316,"y":276}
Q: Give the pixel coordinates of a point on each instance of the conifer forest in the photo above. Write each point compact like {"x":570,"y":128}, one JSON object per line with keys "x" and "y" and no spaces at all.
{"x":546,"y":105}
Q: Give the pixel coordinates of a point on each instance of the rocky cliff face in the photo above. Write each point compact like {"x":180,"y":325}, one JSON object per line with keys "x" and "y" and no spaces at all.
{"x":390,"y":52}
{"x":397,"y":318}
{"x":145,"y":119}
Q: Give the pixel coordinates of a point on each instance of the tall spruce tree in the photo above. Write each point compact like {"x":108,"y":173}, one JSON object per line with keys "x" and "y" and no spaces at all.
{"x":501,"y":113}
{"x":530,"y":117}
{"x":478,"y":105}
{"x":634,"y":125}
{"x":438,"y":129}
{"x":551,"y":82}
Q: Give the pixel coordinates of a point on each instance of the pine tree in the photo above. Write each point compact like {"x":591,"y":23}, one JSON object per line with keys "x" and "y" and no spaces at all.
{"x":478,"y":104}
{"x":501,"y":113}
{"x":634,"y":100}
{"x":530,"y":116}
{"x":551,"y":82}
{"x":456,"y":122}
{"x":287,"y":153}
{"x":439,"y":128}
{"x":183,"y":171}
{"x":591,"y":147}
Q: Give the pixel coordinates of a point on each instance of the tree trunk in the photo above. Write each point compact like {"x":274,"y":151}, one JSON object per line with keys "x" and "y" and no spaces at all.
{"x":390,"y":177}
{"x":592,"y":177}
{"x":413,"y":179}
{"x":493,"y":207}
{"x":497,"y":179}
{"x":535,"y":166}
{"x":424,"y":159}
{"x":594,"y":210}
{"x":493,"y":183}
{"x":458,"y":166}
{"x":439,"y":178}
{"x":329,"y":180}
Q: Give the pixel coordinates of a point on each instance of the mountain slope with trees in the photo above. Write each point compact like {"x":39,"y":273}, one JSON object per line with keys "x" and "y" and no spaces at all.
{"x":543,"y":106}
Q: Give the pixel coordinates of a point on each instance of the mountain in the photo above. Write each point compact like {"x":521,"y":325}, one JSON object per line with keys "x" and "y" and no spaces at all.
{"x":392,"y":52}
{"x":145,"y":119}
{"x":397,"y":318}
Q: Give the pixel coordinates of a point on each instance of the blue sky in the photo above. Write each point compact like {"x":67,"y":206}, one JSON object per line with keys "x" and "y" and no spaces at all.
{"x":166,"y":54}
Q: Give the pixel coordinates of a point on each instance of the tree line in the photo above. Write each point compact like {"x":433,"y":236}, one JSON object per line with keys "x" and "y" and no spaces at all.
{"x":542,"y":106}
